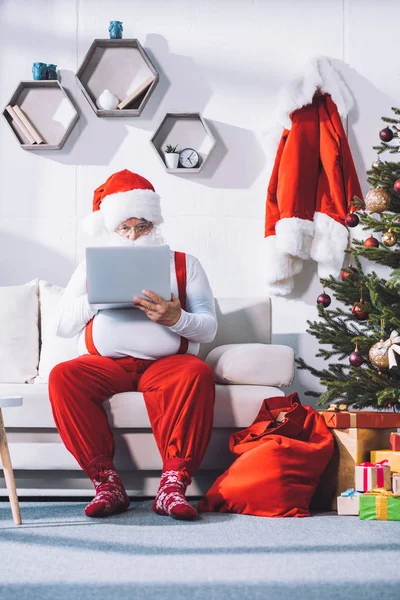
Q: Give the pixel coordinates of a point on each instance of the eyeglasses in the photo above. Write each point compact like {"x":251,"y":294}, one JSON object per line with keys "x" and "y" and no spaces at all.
{"x":139,"y":229}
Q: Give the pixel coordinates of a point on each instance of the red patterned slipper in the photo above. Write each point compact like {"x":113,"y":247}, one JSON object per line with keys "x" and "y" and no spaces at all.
{"x":111,"y":497}
{"x":170,"y":499}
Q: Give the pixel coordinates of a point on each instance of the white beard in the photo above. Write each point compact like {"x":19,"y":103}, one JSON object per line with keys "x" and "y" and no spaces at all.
{"x":154,"y":238}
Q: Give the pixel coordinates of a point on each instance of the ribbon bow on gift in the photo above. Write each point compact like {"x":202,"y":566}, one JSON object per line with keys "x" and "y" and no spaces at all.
{"x":378,"y":491}
{"x":379,"y":466}
{"x":350,"y":492}
{"x":391,"y":346}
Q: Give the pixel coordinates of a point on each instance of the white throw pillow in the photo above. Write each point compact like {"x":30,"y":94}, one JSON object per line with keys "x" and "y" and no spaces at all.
{"x":252,"y":364}
{"x":54,"y":349}
{"x":19,"y":332}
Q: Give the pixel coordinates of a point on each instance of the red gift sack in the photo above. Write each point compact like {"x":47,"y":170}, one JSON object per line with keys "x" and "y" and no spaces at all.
{"x":279,"y":463}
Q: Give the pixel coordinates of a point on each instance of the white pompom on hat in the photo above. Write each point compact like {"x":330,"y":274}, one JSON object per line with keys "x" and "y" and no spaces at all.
{"x":124,"y":195}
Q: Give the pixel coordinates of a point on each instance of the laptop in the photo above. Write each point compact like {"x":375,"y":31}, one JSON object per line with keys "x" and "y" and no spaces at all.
{"x":115,"y":274}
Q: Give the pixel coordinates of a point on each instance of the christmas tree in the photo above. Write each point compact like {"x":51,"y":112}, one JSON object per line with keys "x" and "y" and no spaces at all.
{"x":361,"y":332}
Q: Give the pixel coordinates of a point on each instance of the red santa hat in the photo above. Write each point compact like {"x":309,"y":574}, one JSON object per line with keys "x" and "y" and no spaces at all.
{"x":124,"y":195}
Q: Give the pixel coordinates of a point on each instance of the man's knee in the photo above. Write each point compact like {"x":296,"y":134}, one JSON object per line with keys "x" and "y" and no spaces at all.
{"x":62,"y":372}
{"x":199,"y":368}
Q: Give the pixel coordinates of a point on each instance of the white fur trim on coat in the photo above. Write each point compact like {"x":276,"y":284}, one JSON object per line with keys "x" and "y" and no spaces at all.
{"x":329,"y":245}
{"x":280,"y":268}
{"x":294,"y":236}
{"x":317,"y":73}
{"x":116,"y":208}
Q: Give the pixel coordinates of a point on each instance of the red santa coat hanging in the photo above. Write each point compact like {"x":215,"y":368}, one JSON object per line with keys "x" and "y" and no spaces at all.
{"x":312,"y":183}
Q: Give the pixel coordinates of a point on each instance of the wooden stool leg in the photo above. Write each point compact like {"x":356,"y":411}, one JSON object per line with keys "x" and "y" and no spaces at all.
{"x":8,"y":472}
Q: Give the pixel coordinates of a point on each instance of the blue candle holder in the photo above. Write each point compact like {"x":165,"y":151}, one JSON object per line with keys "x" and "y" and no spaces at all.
{"x":51,"y":71}
{"x":39,"y":70}
{"x":115,"y":30}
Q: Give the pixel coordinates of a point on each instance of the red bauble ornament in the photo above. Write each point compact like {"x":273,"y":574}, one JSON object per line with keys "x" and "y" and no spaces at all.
{"x":356,"y":359}
{"x":386,"y":134}
{"x":346,"y":272}
{"x":324,"y":299}
{"x":396,"y":185}
{"x":352,"y":220}
{"x":371,"y":242}
{"x":359,"y":312}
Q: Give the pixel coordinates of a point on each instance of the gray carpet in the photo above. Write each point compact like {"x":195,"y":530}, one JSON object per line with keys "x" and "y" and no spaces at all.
{"x":59,"y":553}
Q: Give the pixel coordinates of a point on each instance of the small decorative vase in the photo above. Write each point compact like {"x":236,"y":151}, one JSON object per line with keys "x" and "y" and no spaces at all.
{"x":39,"y":70}
{"x":107,"y":101}
{"x":115,"y":29}
{"x":172,"y":159}
{"x":51,"y":71}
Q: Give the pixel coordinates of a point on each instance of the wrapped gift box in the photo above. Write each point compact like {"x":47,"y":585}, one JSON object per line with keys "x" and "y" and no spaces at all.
{"x":379,"y":505}
{"x":395,"y":441}
{"x":348,"y":502}
{"x":365,"y":419}
{"x":392,"y":457}
{"x":370,"y":476}
{"x":352,"y":446}
{"x":396,"y":483}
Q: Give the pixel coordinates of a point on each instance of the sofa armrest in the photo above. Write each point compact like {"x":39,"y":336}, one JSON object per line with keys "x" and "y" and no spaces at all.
{"x":252,"y":364}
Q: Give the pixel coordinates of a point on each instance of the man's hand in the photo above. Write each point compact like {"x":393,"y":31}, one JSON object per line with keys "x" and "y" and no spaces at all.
{"x":159,"y":310}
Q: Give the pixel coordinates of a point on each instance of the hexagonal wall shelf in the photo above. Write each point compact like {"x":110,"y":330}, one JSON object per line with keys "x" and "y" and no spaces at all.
{"x":186,"y":130}
{"x":121,"y":66}
{"x":48,"y":110}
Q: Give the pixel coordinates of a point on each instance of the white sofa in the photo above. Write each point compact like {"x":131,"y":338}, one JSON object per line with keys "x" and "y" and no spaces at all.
{"x":247,"y":369}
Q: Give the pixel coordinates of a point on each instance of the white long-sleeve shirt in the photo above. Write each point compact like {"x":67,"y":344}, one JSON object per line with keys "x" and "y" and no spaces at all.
{"x":128,"y":331}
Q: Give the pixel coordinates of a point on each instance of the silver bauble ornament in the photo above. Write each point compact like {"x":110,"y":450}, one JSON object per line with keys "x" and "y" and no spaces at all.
{"x":377,"y":163}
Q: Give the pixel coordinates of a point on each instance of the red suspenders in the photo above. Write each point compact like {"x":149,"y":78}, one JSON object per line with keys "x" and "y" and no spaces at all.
{"x":180,"y":268}
{"x":91,"y":348}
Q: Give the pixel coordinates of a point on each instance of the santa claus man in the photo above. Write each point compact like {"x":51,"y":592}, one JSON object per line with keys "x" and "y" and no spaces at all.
{"x":151,"y":349}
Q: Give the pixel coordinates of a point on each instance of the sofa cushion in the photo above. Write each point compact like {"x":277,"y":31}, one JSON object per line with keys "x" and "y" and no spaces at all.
{"x":235,"y":406}
{"x":19,"y":326}
{"x":54,"y":349}
{"x":259,"y":364}
{"x":240,"y":321}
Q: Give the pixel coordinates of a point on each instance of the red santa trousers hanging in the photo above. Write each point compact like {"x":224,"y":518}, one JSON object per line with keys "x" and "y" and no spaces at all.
{"x":278,"y":466}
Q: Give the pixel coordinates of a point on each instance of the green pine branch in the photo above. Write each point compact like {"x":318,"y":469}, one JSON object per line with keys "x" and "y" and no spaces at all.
{"x":381,"y":255}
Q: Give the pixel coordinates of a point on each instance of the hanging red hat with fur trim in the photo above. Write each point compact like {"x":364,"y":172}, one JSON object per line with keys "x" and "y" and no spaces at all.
{"x":124,"y":195}
{"x":313,"y":179}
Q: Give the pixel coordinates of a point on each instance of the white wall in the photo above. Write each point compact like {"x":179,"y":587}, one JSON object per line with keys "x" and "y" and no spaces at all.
{"x":224,"y":58}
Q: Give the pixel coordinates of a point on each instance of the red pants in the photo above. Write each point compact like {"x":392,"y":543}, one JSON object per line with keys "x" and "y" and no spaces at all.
{"x":178,"y":390}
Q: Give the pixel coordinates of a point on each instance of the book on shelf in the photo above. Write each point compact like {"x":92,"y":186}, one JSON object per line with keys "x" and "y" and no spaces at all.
{"x":136,"y":93}
{"x":22,"y":130}
{"x":29,"y":125}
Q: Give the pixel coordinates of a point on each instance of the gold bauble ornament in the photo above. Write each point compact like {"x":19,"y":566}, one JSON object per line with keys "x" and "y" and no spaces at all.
{"x":389,"y":238}
{"x":377,"y":200}
{"x":378,"y":354}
